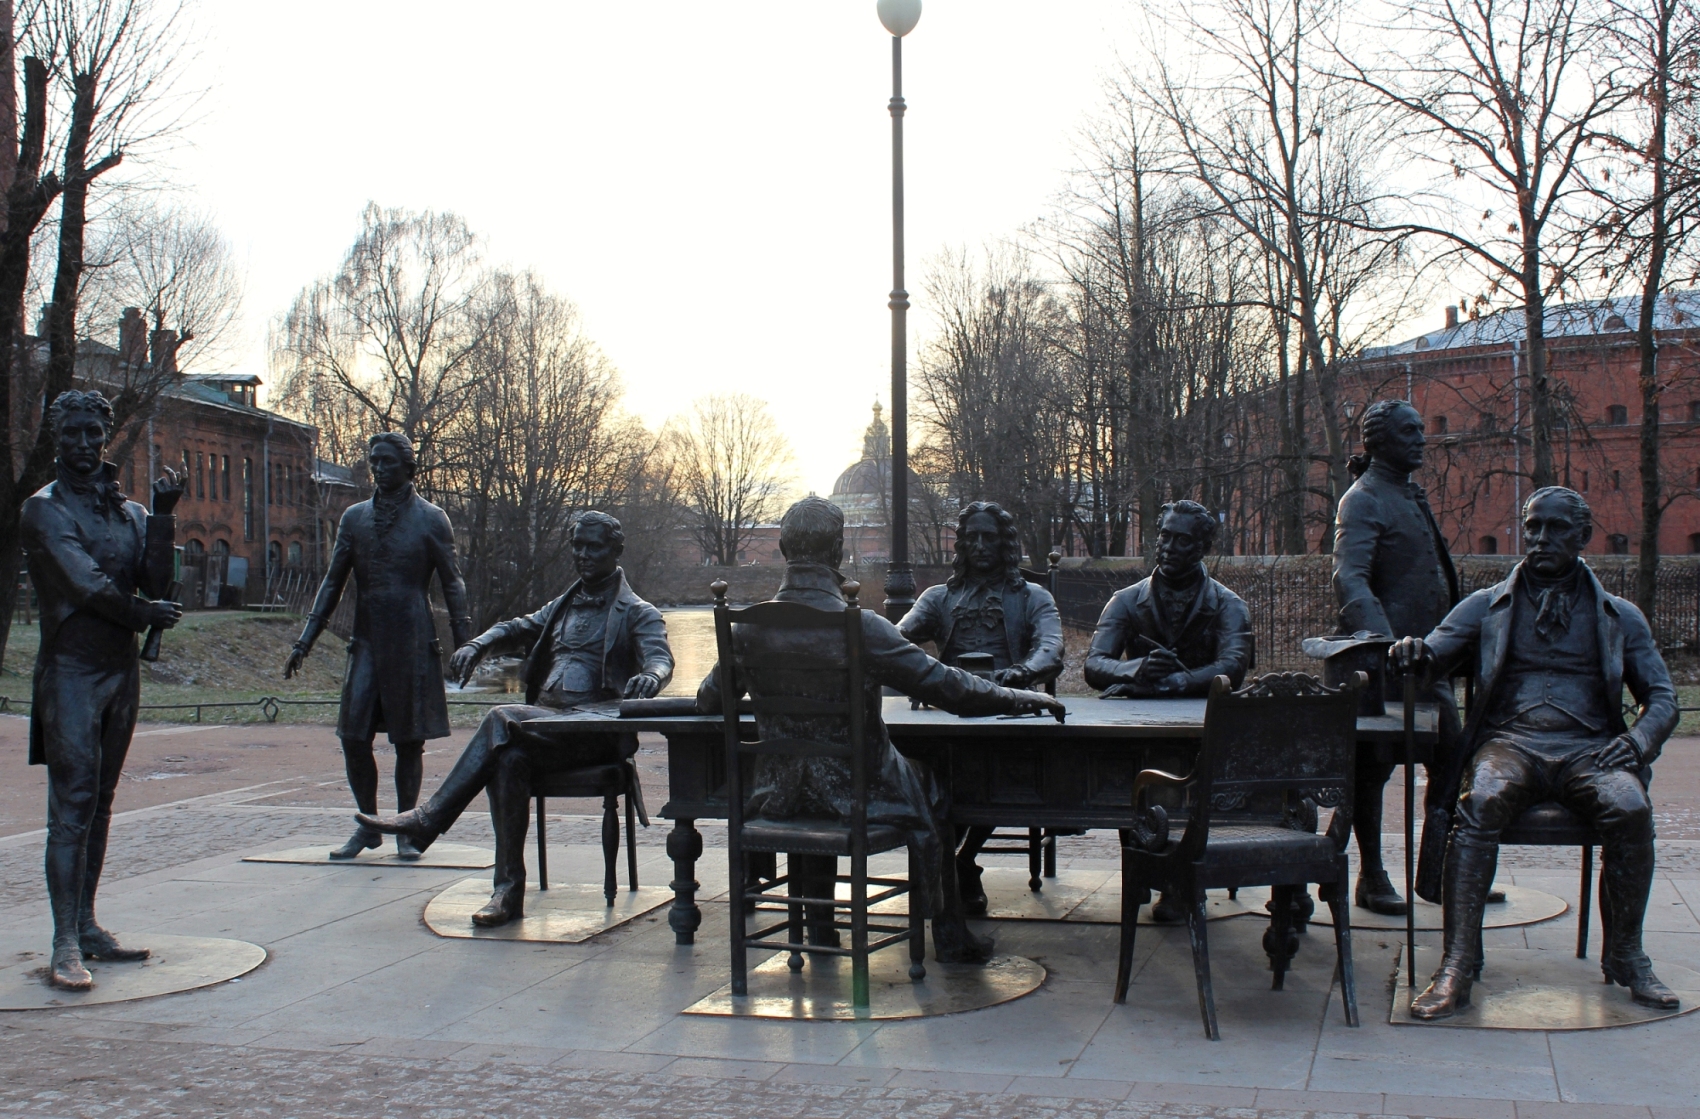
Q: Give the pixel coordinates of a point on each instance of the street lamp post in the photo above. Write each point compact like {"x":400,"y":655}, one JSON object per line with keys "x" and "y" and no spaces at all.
{"x":898,"y":17}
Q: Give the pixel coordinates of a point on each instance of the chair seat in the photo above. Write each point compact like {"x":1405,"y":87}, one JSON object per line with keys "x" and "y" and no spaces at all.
{"x":1548,"y":824}
{"x":816,"y":837}
{"x":591,"y":781}
{"x":1241,"y":845}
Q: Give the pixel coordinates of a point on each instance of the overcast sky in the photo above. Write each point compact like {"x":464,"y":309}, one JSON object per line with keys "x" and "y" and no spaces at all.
{"x":709,"y":182}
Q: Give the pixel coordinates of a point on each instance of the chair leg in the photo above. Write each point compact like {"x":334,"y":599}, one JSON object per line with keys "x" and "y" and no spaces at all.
{"x":793,"y":912}
{"x":631,"y":844}
{"x":1050,"y":855}
{"x":1278,"y":941}
{"x":1035,"y":858}
{"x":1131,"y":901}
{"x":542,"y":850}
{"x":917,"y":929}
{"x":859,"y":931}
{"x":610,"y":846}
{"x":1587,"y":901}
{"x":1195,"y":932}
{"x":1339,"y":903}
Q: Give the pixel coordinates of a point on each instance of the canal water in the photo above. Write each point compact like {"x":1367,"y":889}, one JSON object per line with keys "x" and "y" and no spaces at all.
{"x":690,"y":633}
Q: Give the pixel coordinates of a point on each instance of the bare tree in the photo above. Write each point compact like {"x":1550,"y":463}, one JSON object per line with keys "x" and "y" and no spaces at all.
{"x":395,"y":331}
{"x":1507,"y":97}
{"x":732,"y":467}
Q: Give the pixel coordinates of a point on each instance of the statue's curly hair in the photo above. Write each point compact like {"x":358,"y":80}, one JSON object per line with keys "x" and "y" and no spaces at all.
{"x":1374,"y":427}
{"x":73,"y":401}
{"x":1009,"y":544}
{"x":1578,"y":504}
{"x":610,"y":525}
{"x":1207,"y":520}
{"x":403,"y":446}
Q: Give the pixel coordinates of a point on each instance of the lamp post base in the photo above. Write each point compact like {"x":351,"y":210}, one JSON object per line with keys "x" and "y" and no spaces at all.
{"x":899,"y":590}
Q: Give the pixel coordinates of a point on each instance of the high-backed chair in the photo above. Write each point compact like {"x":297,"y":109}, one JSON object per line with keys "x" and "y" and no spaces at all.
{"x":1282,"y":740}
{"x":810,"y":677}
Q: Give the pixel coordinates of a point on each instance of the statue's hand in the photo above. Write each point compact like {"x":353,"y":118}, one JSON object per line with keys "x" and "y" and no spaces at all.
{"x":1015,"y":676}
{"x":464,"y":660}
{"x":1030,"y":703}
{"x":1158,"y":663}
{"x":642,"y":686}
{"x":1620,"y":753}
{"x":166,"y":491}
{"x":164,"y":613}
{"x":1409,"y":654}
{"x":293,"y":664}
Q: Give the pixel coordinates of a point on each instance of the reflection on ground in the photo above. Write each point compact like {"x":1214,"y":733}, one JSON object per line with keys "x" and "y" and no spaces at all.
{"x":690,"y":632}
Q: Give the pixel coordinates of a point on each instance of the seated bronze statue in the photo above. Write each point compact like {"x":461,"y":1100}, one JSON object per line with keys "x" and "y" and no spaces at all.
{"x":598,"y":641}
{"x":901,"y":793}
{"x":987,"y":607}
{"x":1552,"y":653}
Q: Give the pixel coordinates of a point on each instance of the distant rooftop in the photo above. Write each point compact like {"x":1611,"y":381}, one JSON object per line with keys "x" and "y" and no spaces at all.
{"x":1617,"y":315}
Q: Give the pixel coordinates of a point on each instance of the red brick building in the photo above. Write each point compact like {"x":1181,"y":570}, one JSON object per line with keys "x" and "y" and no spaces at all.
{"x":1469,"y":380}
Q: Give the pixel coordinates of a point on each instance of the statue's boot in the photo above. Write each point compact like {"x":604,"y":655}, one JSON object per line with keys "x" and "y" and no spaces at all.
{"x":1167,"y":912}
{"x":955,"y":943}
{"x":1627,"y":880}
{"x":409,"y":775}
{"x":363,"y":839}
{"x":510,"y":815}
{"x":422,"y":825}
{"x":64,"y":895}
{"x":95,"y":942}
{"x":969,"y":886}
{"x":1470,"y":866}
{"x":1374,"y":891}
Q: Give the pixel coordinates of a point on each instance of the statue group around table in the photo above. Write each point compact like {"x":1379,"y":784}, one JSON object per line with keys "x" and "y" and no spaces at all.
{"x":1549,"y":649}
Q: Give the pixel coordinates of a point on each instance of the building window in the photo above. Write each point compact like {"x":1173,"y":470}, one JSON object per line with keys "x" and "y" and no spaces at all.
{"x":1487,"y":422}
{"x":247,"y":499}
{"x":200,"y":476}
{"x":187,"y":477}
{"x":274,"y":556}
{"x":1694,"y":543}
{"x":1617,"y":414}
{"x":1694,"y":411}
{"x":194,"y":548}
{"x":1617,"y":479}
{"x":1488,"y":546}
{"x":1584,"y":481}
{"x":130,"y":476}
{"x":1440,"y":425}
{"x":295,"y":553}
{"x":227,"y":477}
{"x":1618,"y":543}
{"x":221,"y":548}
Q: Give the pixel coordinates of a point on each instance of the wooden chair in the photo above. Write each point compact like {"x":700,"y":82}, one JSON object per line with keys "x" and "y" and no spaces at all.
{"x":1550,"y":824}
{"x":610,"y":782}
{"x":777,"y":682}
{"x":1280,"y":741}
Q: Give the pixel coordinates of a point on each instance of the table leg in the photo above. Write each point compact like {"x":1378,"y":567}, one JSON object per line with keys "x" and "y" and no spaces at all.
{"x":684,"y":847}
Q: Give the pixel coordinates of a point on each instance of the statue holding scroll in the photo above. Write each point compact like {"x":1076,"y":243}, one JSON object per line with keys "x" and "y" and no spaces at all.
{"x":1393,"y":576}
{"x":988,"y":607}
{"x":598,"y":641}
{"x":392,"y":544}
{"x":1552,"y":652}
{"x":92,"y":554}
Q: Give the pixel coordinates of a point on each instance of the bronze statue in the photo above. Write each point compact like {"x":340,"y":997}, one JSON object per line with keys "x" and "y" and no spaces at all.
{"x":598,"y":641}
{"x":1393,"y":576}
{"x":1177,"y":629}
{"x":90,"y":550}
{"x":987,"y":607}
{"x":393,"y":544}
{"x":901,"y":794}
{"x":1552,"y":653}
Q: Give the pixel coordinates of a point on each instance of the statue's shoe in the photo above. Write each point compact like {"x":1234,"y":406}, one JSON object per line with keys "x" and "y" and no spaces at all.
{"x":363,"y":839}
{"x":1376,"y":894}
{"x":406,"y":849}
{"x":955,"y":943}
{"x":1645,"y":988}
{"x":98,"y":944}
{"x":968,"y":887}
{"x":414,"y":824}
{"x":503,"y":906}
{"x":1166,"y":912}
{"x":67,"y":970}
{"x":1446,"y":994}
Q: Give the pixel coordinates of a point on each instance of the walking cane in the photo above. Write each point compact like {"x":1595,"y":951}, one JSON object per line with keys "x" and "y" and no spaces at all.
{"x":1410,"y":829}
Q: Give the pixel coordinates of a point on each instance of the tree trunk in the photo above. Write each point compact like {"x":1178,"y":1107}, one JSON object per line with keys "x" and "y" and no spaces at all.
{"x":1652,"y":504}
{"x":1540,"y":387}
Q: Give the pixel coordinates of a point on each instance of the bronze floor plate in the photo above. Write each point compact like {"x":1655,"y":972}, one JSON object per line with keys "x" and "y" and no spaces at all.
{"x":1522,"y":906}
{"x":821,"y":991}
{"x":1092,"y":897}
{"x":565,"y":913}
{"x":441,"y":856}
{"x":179,"y":963}
{"x":1536,"y":989}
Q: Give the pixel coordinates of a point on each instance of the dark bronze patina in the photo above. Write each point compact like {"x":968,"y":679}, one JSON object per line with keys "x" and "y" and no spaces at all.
{"x":596,"y":642}
{"x":1552,"y":653}
{"x":392,"y":544}
{"x":92,"y":554}
{"x":901,"y":794}
{"x":988,"y":609}
{"x":1393,"y":576}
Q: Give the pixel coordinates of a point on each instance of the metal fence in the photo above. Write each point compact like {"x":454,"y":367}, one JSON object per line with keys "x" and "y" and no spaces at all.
{"x":1292,"y":597}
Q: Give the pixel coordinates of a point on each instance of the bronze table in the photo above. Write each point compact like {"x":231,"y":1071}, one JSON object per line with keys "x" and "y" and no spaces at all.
{"x":998,"y":771}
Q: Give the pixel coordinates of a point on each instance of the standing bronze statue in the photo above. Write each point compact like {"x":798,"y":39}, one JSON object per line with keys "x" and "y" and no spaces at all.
{"x":598,"y":641}
{"x":988,"y":607}
{"x":1173,"y":632}
{"x":900,"y":793}
{"x":1552,"y":652}
{"x":90,"y":550}
{"x":1393,"y":576}
{"x":392,"y":544}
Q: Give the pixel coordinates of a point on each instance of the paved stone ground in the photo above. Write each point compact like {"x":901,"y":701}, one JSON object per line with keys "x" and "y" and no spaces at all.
{"x":360,"y":1011}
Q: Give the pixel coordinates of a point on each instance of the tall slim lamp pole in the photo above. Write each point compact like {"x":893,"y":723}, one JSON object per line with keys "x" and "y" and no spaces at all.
{"x":898,"y":17}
